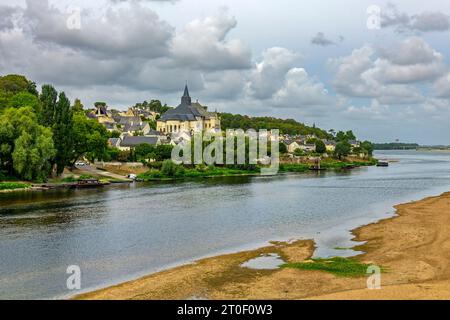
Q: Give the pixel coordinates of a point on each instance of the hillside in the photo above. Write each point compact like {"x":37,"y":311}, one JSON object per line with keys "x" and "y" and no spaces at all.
{"x":286,"y":126}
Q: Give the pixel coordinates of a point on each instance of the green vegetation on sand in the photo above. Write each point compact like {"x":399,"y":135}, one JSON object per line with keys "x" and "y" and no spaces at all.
{"x":342,"y":267}
{"x":13,"y":185}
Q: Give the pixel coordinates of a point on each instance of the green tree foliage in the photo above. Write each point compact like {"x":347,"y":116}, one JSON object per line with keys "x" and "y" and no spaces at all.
{"x":282,"y":148}
{"x":395,"y":146}
{"x":12,"y":85}
{"x":114,"y":134}
{"x":169,"y":168}
{"x":32,"y":154}
{"x":48,"y":99}
{"x":100,"y":104}
{"x":144,"y":150}
{"x":25,"y":99}
{"x":342,"y":149}
{"x":320,"y":146}
{"x":62,"y":133}
{"x":345,"y":136}
{"x":368,"y":147}
{"x":90,"y":138}
{"x":153,"y":105}
{"x":163,"y":152}
{"x":77,"y":106}
{"x":26,"y":147}
{"x":289,"y":126}
{"x":112,"y":154}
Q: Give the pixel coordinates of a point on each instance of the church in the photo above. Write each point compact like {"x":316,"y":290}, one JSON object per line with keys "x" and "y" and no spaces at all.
{"x":188,"y":117}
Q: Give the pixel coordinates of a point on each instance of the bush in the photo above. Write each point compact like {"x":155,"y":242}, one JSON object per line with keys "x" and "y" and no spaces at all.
{"x":168,"y":168}
{"x":85,"y":176}
{"x":69,"y":179}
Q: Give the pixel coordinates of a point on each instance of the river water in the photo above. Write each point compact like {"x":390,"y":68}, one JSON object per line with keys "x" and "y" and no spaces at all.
{"x":121,"y":232}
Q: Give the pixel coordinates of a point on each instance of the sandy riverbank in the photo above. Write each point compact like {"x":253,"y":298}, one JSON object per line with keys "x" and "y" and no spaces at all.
{"x":414,"y":248}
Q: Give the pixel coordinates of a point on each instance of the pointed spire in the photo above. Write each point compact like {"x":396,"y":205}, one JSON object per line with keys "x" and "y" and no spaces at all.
{"x":186,"y":98}
{"x":186,"y":91}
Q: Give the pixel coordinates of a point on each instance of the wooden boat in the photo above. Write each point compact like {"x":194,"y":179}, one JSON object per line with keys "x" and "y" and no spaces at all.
{"x":88,"y":183}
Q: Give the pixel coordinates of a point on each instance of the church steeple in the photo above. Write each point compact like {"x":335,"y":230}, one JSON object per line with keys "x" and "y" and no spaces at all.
{"x":186,"y":99}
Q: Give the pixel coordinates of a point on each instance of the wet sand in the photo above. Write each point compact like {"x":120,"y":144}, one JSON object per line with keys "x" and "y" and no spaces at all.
{"x":413,"y":248}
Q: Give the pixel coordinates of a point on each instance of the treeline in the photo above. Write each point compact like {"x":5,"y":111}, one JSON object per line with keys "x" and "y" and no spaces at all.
{"x":395,"y":146}
{"x":286,"y":126}
{"x":153,"y":105}
{"x":41,"y":133}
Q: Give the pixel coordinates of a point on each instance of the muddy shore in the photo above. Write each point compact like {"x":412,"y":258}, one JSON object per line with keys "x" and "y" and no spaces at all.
{"x":413,"y":247}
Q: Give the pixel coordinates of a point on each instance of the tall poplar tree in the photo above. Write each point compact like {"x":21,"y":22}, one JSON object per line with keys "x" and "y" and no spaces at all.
{"x":48,"y":98}
{"x":63,"y":132}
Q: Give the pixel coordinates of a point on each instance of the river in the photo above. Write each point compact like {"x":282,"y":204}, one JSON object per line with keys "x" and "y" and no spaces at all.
{"x":121,"y":232}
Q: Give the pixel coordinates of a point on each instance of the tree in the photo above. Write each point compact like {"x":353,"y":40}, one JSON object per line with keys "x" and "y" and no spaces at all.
{"x":48,"y":99}
{"x":368,"y":146}
{"x":26,"y":147}
{"x":168,"y":168}
{"x":163,"y":152}
{"x":90,"y":138}
{"x":350,"y":136}
{"x":320,"y":146}
{"x":25,"y":99}
{"x":14,"y":83}
{"x":32,"y":154}
{"x":341,"y":136}
{"x":77,"y":106}
{"x":62,"y":133}
{"x":282,"y":147}
{"x":342,"y":149}
{"x":114,"y":134}
{"x":143,"y":150}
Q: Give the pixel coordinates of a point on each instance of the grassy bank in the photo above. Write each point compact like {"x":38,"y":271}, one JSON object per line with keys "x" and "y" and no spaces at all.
{"x":13,"y":185}
{"x":171,"y":171}
{"x":326,"y":164}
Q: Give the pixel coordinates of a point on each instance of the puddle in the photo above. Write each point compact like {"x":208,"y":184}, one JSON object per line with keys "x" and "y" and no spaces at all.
{"x":266,"y":262}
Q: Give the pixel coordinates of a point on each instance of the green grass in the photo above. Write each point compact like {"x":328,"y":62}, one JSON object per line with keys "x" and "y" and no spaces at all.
{"x":13,"y":185}
{"x":342,"y":267}
{"x":300,"y":167}
{"x":69,"y":179}
{"x":155,"y":174}
{"x":342,"y":248}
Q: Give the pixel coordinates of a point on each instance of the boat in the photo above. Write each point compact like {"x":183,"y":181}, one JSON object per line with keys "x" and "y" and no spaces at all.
{"x":88,"y":183}
{"x":383,"y":164}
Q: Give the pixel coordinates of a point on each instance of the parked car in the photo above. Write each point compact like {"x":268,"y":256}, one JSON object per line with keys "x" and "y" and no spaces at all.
{"x":80,"y":164}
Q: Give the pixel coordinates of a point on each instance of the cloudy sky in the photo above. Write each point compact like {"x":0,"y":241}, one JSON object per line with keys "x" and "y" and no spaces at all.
{"x":344,"y":64}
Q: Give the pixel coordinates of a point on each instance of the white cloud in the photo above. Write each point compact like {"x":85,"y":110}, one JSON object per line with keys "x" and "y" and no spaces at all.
{"x":134,"y":31}
{"x":442,"y":86}
{"x":422,"y":22}
{"x":268,"y":75}
{"x":203,"y":44}
{"x":300,"y":90}
{"x":391,"y":76}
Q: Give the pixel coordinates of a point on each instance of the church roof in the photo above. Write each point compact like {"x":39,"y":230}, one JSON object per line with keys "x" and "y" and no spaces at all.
{"x":184,"y":112}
